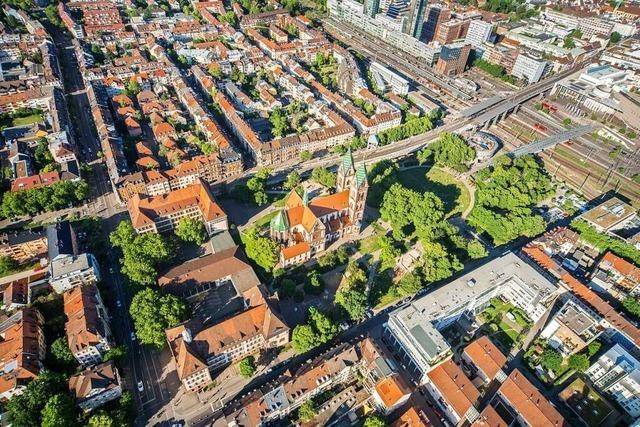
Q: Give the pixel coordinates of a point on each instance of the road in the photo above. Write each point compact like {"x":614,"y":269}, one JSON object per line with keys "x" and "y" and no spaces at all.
{"x":144,"y":364}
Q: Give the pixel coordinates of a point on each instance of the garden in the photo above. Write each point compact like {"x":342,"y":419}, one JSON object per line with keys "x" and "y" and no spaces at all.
{"x":506,"y":323}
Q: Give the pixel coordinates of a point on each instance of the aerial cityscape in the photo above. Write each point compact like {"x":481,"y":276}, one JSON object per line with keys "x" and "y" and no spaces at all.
{"x":365,"y":213}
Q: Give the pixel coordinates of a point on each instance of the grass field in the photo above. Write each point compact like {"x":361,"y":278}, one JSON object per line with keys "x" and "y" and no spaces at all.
{"x":28,"y":120}
{"x":453,"y":193}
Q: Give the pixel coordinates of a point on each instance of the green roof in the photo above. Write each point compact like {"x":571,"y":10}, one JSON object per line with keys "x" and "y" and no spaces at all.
{"x":347,"y":160}
{"x":279,"y":222}
{"x":361,"y":175}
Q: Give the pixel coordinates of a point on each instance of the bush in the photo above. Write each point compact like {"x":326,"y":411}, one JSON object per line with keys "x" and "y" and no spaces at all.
{"x":247,"y":367}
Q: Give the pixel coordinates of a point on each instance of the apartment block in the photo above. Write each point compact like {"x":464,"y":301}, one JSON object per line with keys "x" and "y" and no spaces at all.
{"x":453,"y":392}
{"x":163,"y":213}
{"x":71,"y":271}
{"x":22,"y":351}
{"x":530,"y":66}
{"x":617,"y":272}
{"x":485,"y":360}
{"x":617,"y":374}
{"x":24,"y":246}
{"x":96,"y":386}
{"x":87,"y":327}
{"x":453,"y":59}
{"x":478,"y":32}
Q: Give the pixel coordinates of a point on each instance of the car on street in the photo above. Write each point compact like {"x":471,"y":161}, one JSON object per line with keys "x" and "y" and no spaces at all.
{"x":118,"y":303}
{"x":133,"y":336}
{"x":140,"y":386}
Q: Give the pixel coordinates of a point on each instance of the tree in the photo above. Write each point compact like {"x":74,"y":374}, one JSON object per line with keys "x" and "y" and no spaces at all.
{"x":403,"y":207}
{"x":117,"y":354}
{"x":26,"y":409}
{"x":303,"y":338}
{"x":353,"y":301}
{"x":632,"y":306}
{"x":279,"y":123}
{"x":307,"y":411}
{"x":436,"y":263}
{"x":60,"y":411}
{"x":102,"y":420}
{"x":388,"y":252}
{"x":409,"y":284}
{"x":247,"y":366}
{"x":450,"y":151}
{"x":476,"y":250}
{"x":375,"y":420}
{"x":305,"y":155}
{"x":60,"y":353}
{"x":293,"y":180}
{"x":191,"y":230}
{"x":551,"y":359}
{"x":314,"y":284}
{"x":153,"y":313}
{"x":579,"y":362}
{"x":141,"y":252}
{"x":569,"y":43}
{"x":51,"y":13}
{"x":331,"y":259}
{"x":324,"y":177}
{"x":133,"y":87}
{"x":262,"y":250}
{"x":593,"y":348}
{"x":566,"y":122}
{"x":615,"y":38}
{"x":7,"y":265}
{"x":323,"y":326}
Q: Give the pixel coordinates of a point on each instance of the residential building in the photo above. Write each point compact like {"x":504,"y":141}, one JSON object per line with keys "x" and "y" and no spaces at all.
{"x":305,"y":227}
{"x":22,"y":351}
{"x":573,"y":327}
{"x":615,"y":271}
{"x":530,"y":66}
{"x":485,"y":360}
{"x":23,"y":246}
{"x":617,"y":374}
{"x":198,"y":351}
{"x":478,"y":32}
{"x":518,"y":402}
{"x":87,"y":327}
{"x":451,"y":31}
{"x":412,"y":417}
{"x":163,"y":213}
{"x":453,"y":59}
{"x":197,"y":276}
{"x":296,"y":386}
{"x":16,"y":295}
{"x":391,"y":393}
{"x":414,"y":330}
{"x":610,"y":215}
{"x":96,"y":386}
{"x":453,"y":392}
{"x":74,"y":270}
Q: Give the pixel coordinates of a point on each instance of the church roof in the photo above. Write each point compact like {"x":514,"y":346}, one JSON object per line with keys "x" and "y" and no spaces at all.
{"x":361,"y":175}
{"x":279,"y":222}
{"x":293,"y":200}
{"x":347,"y":160}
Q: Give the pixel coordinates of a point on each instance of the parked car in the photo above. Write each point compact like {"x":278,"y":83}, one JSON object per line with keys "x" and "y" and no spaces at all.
{"x":133,"y":336}
{"x":140,"y":386}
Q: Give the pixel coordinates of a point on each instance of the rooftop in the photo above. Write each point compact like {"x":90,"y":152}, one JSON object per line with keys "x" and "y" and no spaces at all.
{"x":454,"y":386}
{"x":486,"y":356}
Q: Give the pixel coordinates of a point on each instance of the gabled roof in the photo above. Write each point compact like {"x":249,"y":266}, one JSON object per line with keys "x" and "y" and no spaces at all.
{"x":97,"y":379}
{"x":486,"y":356}
{"x":454,"y":386}
{"x":392,"y":389}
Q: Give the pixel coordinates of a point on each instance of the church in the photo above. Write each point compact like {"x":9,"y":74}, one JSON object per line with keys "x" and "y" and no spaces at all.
{"x":305,"y":227}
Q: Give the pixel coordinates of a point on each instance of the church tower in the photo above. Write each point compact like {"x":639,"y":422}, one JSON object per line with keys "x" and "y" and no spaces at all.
{"x":358,"y":197}
{"x":346,"y":172}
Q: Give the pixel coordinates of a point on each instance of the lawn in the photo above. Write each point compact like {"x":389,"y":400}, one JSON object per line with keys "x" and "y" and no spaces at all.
{"x":586,"y":403}
{"x":501,"y":329}
{"x":453,"y":193}
{"x":263,"y":221}
{"x":28,"y":120}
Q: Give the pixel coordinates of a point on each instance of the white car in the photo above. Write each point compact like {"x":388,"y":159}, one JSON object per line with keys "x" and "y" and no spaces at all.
{"x":140,"y":386}
{"x":118,"y":303}
{"x":133,"y":336}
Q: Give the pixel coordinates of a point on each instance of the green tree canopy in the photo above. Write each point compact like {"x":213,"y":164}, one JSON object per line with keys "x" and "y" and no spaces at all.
{"x":579,"y":362}
{"x":409,"y":284}
{"x":293,"y":180}
{"x":375,"y":420}
{"x":437,"y":263}
{"x":7,"y":265}
{"x":247,"y":366}
{"x":60,"y":411}
{"x":450,"y":151}
{"x":141,"y":253}
{"x":26,"y":409}
{"x":61,"y":355}
{"x":353,"y":301}
{"x":324,"y":177}
{"x":191,"y":230}
{"x":303,"y":338}
{"x":262,"y":250}
{"x":43,"y":199}
{"x":307,"y":411}
{"x":403,"y":207}
{"x":632,"y":306}
{"x":153,"y":313}
{"x":551,"y":359}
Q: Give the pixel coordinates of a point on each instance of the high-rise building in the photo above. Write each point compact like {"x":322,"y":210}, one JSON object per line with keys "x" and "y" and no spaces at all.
{"x":530,"y":65}
{"x":415,"y":19}
{"x":453,"y":59}
{"x":435,"y":15}
{"x":371,"y":7}
{"x":478,"y":32}
{"x":452,"y":30}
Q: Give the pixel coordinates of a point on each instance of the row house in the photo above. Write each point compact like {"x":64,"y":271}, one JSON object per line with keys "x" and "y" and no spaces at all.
{"x":24,"y":246}
{"x":87,"y":326}
{"x":96,"y":386}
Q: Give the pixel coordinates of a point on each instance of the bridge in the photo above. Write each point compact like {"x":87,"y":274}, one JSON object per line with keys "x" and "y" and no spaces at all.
{"x":552,"y":140}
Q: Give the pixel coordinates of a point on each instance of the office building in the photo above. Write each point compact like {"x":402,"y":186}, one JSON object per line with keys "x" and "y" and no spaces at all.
{"x":452,"y":30}
{"x":617,"y":374}
{"x":435,"y":16}
{"x":478,"y":32}
{"x":453,"y":59}
{"x":371,"y":7}
{"x":415,"y":17}
{"x":530,"y":66}
{"x":413,"y":330}
{"x":387,"y":79}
